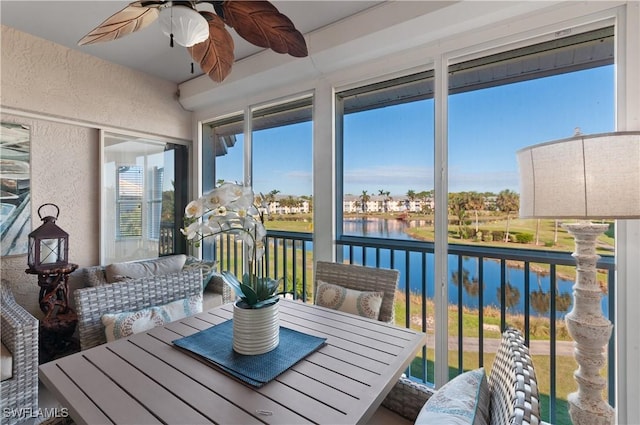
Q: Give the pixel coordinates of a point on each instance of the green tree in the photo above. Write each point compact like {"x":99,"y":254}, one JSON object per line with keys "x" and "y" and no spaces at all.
{"x":425,"y":196}
{"x":475,"y":202}
{"x":271,"y":196}
{"x":508,"y":202}
{"x":364,"y":197}
{"x":458,"y":205}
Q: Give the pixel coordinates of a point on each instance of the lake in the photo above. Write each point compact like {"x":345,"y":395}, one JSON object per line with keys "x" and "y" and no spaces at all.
{"x":539,"y":291}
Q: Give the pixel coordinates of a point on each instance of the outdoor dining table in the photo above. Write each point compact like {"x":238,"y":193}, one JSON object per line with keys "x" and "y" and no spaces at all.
{"x":145,"y":378}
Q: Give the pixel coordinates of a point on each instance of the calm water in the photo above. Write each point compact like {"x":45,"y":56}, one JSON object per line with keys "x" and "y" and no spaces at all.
{"x":539,"y":283}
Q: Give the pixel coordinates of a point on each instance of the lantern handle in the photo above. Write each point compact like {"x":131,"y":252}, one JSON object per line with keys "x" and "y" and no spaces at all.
{"x":44,"y":205}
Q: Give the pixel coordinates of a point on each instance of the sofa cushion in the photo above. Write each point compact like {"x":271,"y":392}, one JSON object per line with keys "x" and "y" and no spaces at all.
{"x":118,"y":272}
{"x":366,"y":304}
{"x":463,"y":400}
{"x":120,"y":325}
{"x":6,"y":363}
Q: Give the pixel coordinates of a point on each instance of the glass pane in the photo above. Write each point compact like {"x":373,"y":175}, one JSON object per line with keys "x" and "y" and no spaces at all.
{"x":284,"y":131}
{"x":388,"y":133}
{"x":553,"y":95}
{"x":222,"y":152}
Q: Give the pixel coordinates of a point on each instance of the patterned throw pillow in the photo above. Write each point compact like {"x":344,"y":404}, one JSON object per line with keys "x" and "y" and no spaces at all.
{"x":120,"y":325}
{"x":464,"y":400}
{"x":207,"y":268}
{"x":366,"y":304}
{"x":181,"y":308}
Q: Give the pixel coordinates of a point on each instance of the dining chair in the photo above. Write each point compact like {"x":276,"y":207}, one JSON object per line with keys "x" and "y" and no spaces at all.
{"x":362,"y":278}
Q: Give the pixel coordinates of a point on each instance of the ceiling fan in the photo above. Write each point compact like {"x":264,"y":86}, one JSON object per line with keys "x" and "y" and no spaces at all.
{"x":203,"y":32}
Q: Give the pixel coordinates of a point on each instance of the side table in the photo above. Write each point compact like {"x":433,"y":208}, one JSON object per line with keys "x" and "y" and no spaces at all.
{"x":59,"y":322}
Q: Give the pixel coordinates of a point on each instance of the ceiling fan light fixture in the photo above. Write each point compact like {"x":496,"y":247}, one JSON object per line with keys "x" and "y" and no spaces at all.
{"x":187,"y":25}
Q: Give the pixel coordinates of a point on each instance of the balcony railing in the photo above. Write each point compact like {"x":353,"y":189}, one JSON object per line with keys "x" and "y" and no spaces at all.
{"x":489,"y":288}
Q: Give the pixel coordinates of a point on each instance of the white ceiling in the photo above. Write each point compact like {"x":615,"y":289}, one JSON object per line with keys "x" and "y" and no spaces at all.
{"x":66,"y":22}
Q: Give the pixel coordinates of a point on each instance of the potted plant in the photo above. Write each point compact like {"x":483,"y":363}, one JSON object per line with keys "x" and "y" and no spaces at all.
{"x":230,"y":208}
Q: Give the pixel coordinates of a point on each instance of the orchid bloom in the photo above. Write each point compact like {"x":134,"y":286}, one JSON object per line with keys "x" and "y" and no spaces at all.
{"x":228,"y":208}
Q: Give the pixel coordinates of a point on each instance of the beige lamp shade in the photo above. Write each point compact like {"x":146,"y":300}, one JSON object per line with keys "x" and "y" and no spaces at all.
{"x":583,"y":177}
{"x":187,"y":25}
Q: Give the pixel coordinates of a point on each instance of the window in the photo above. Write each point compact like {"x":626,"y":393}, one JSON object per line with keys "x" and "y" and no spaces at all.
{"x":222,"y":152}
{"x":387,"y":157}
{"x":282,"y":156}
{"x":129,"y":201}
{"x":501,"y":103}
{"x":276,"y":158}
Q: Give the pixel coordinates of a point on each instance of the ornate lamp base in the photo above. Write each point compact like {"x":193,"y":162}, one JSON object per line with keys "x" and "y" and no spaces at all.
{"x":589,"y":329}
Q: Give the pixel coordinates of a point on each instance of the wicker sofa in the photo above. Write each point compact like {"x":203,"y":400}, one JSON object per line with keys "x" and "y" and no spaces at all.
{"x":510,"y":395}
{"x":93,"y":295}
{"x":20,"y":338}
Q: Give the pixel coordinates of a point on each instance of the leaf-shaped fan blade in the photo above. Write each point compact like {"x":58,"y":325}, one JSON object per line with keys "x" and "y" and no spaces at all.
{"x":215,"y":54}
{"x":260,"y":23}
{"x":132,"y":18}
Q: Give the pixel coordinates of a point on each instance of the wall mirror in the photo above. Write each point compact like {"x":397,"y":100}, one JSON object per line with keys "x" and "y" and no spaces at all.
{"x":144,"y":188}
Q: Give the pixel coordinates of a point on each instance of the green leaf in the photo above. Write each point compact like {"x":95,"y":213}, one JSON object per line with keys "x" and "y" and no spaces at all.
{"x":233,"y":282}
{"x":250,"y":295}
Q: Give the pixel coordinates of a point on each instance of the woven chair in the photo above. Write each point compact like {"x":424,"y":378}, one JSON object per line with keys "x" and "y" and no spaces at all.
{"x":132,"y":295}
{"x":512,"y":383}
{"x":20,"y":336}
{"x":362,"y":278}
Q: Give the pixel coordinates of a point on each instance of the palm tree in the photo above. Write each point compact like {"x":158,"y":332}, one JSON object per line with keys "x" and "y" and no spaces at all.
{"x":508,"y":201}
{"x":475,"y":202}
{"x":458,"y":206}
{"x":411,"y":194}
{"x":271,"y":196}
{"x":385,"y":199}
{"x":365,"y":197}
{"x":426,"y":196}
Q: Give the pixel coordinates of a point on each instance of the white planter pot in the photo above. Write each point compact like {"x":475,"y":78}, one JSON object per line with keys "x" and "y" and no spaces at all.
{"x":255,"y":330}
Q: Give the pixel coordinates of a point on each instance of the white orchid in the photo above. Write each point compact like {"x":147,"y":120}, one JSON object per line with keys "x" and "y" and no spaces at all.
{"x":230,"y":208}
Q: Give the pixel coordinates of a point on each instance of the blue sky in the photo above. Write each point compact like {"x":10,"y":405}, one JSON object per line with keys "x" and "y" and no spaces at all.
{"x":392,"y":148}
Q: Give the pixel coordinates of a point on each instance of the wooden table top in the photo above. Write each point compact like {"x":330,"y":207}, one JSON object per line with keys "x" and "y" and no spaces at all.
{"x":144,"y":379}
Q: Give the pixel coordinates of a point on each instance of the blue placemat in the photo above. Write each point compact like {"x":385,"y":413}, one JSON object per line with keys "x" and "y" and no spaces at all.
{"x":216,"y":345}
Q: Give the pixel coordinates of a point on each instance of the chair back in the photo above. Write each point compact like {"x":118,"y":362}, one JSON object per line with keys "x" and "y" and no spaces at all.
{"x":514,"y":390}
{"x":362,"y":278}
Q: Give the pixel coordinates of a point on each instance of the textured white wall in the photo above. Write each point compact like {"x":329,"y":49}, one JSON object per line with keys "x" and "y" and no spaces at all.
{"x":43,"y":77}
{"x":65,"y":97}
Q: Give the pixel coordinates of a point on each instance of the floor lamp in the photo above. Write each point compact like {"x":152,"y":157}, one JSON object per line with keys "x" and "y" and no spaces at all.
{"x":584,"y":177}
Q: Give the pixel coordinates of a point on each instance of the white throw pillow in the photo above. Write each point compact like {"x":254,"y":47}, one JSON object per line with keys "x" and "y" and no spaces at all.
{"x":362,"y":303}
{"x":465,"y":400}
{"x":118,"y":272}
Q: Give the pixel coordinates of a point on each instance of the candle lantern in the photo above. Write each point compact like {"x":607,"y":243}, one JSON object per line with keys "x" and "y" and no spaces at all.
{"x":48,"y":244}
